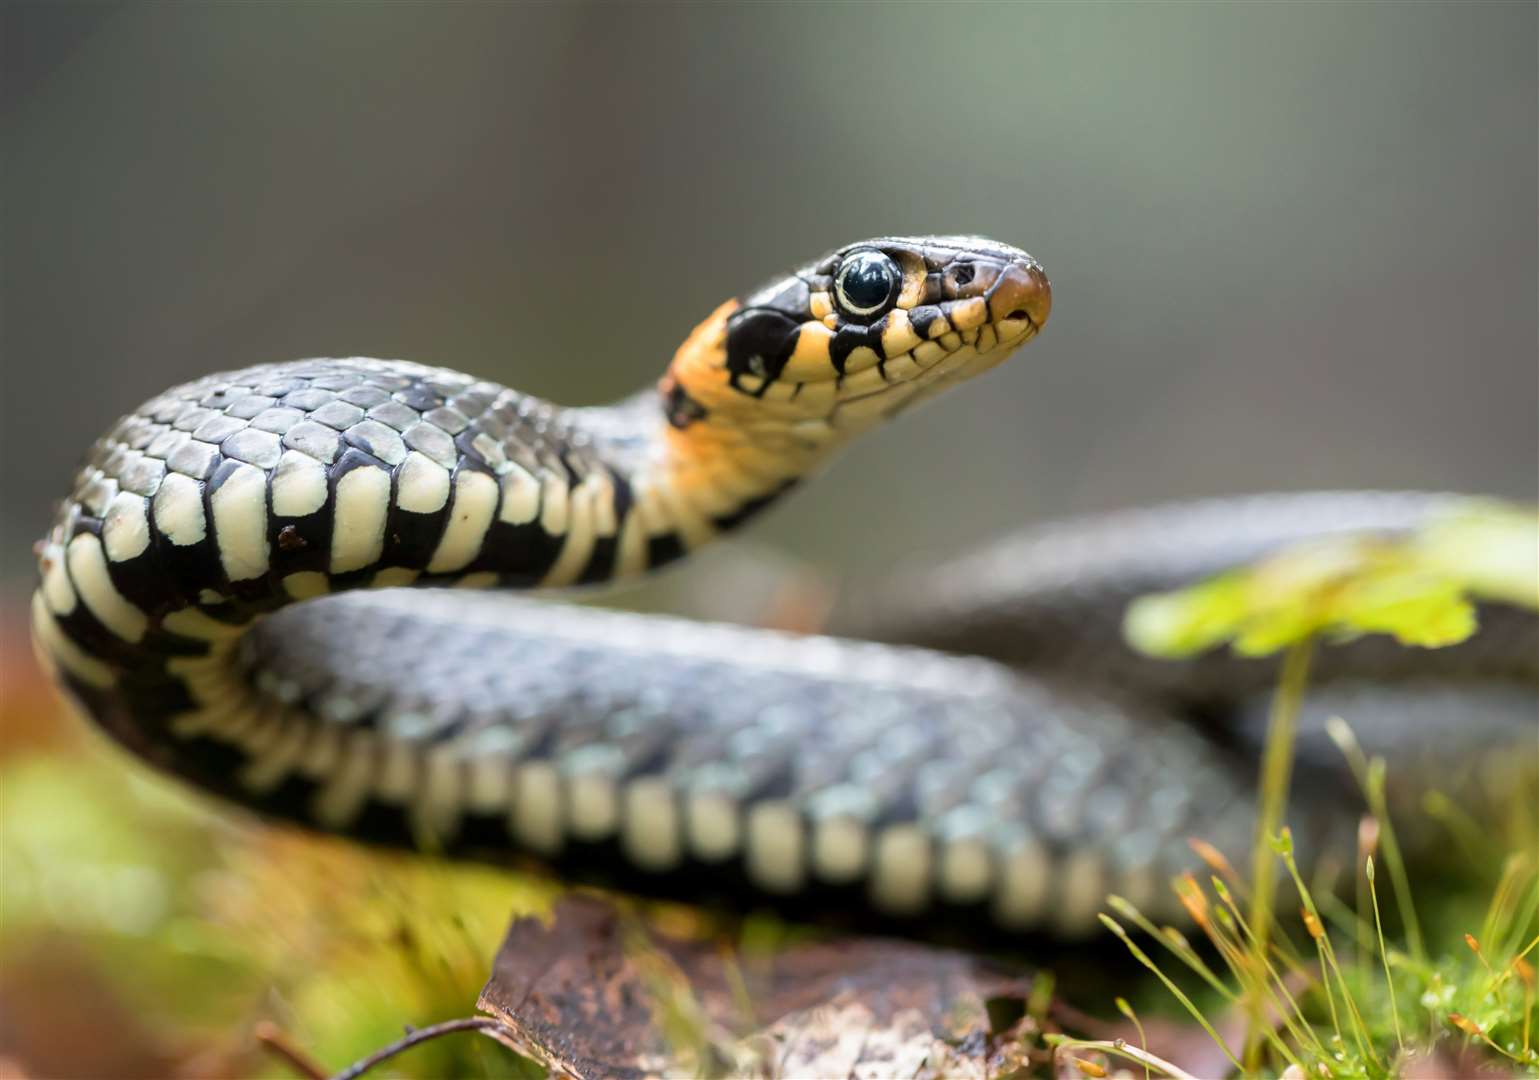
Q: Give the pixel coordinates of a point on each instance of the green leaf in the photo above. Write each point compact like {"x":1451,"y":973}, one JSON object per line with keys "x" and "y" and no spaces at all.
{"x":1420,"y":589}
{"x":1493,"y":547}
{"x":1186,"y":623}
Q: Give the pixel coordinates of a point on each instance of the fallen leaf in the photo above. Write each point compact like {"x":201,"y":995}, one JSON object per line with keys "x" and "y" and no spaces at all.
{"x":581,"y":995}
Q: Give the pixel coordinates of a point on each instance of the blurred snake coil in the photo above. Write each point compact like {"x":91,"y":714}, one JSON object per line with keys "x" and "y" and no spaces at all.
{"x":978,"y":752}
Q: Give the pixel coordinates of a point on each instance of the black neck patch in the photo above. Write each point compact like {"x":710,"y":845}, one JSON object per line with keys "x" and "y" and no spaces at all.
{"x":759,"y":342}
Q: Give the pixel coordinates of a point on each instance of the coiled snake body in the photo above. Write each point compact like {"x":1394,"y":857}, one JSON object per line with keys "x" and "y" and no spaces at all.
{"x":1010,"y":789}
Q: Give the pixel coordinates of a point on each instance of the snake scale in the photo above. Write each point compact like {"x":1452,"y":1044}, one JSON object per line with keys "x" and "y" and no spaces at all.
{"x":978,"y":749}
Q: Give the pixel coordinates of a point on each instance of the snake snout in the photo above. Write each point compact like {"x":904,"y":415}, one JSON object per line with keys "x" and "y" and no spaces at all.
{"x":1021,"y":295}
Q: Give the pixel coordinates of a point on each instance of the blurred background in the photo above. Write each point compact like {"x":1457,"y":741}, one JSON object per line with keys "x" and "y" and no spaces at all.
{"x":1292,"y":246}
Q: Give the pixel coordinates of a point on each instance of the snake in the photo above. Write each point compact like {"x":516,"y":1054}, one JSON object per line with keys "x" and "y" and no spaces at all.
{"x":277,"y":583}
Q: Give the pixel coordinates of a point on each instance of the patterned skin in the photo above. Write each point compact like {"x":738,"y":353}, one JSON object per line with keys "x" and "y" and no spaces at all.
{"x":825,"y":776}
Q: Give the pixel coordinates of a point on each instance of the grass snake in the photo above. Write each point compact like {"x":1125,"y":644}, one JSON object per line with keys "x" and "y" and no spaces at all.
{"x":977,"y":749}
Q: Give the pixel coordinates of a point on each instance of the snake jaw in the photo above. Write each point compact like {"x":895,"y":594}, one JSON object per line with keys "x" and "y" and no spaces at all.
{"x":972,"y":358}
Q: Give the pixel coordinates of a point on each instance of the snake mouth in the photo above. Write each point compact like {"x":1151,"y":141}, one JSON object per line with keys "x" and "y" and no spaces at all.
{"x":978,"y":352}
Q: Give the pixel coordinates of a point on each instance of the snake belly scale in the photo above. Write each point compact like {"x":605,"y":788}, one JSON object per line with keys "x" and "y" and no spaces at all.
{"x":220,"y":593}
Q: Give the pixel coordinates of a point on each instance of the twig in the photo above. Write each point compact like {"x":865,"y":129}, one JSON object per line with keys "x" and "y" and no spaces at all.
{"x":485,"y":1024}
{"x":273,"y":1039}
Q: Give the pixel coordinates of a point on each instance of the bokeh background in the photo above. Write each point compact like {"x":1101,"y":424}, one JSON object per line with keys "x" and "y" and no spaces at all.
{"x":1292,"y":246}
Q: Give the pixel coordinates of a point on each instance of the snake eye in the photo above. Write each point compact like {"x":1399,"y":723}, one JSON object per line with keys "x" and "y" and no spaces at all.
{"x":866,"y":282}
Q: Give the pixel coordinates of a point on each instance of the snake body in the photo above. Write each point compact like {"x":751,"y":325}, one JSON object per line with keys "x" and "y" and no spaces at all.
{"x":218,"y":592}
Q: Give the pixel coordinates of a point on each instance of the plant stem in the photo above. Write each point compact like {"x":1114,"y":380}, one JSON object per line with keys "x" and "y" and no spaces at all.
{"x":1143,"y":958}
{"x":1120,"y":1046}
{"x":1276,"y":774}
{"x":1389,"y":979}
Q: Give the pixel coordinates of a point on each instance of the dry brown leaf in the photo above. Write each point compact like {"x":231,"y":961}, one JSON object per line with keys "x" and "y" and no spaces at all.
{"x":580,"y":996}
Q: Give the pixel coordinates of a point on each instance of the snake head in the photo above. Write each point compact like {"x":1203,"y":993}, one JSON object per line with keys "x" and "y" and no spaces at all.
{"x":860,"y":334}
{"x":768,"y":386}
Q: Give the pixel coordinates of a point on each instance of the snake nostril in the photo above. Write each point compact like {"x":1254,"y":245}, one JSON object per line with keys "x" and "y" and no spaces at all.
{"x":1021,"y":296}
{"x":963,"y":274}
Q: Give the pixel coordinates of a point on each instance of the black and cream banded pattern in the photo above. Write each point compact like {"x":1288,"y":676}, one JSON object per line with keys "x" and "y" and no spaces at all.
{"x":823,"y":775}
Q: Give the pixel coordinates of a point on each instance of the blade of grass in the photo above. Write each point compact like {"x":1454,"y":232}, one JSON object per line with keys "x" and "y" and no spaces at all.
{"x":1514,"y":871}
{"x":1287,"y":1007}
{"x":1318,"y":932}
{"x":1175,"y":944}
{"x":1222,"y":931}
{"x":1180,"y":995}
{"x":1370,"y":775}
{"x":1367,"y":847}
{"x":1359,"y":1028}
{"x":1143,"y":1040}
{"x":1389,"y":980}
{"x":1399,"y":879}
